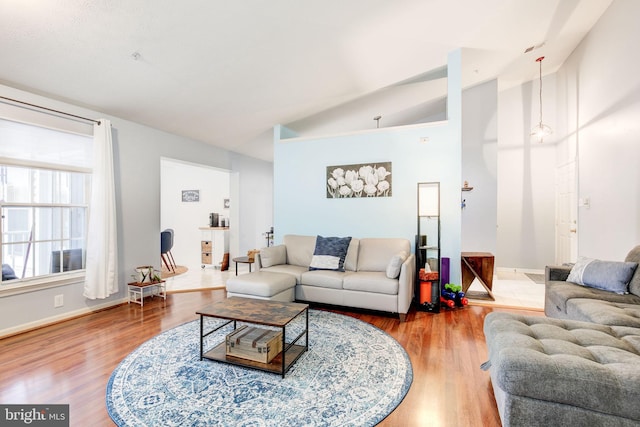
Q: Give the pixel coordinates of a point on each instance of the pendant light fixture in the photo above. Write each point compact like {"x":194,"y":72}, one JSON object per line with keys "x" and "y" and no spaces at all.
{"x":541,"y":131}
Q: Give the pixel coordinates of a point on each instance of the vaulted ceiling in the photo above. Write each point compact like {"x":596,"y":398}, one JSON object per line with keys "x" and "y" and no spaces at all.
{"x":224,"y":72}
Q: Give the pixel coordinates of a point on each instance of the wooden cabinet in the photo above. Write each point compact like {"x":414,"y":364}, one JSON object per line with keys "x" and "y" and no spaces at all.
{"x":214,"y":245}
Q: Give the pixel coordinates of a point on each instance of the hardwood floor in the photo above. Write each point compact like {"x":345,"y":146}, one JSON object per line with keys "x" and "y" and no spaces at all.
{"x":71,"y":362}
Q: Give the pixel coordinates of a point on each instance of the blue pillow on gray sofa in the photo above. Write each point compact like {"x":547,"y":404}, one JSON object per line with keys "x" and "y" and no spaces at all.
{"x":606,"y":275}
{"x":330,"y":253}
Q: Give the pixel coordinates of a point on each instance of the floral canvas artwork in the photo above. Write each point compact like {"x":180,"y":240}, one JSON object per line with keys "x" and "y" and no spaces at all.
{"x":361,"y":180}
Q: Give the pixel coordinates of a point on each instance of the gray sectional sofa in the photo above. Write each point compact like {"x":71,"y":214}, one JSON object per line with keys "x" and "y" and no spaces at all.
{"x":379,"y":273}
{"x":581,"y":364}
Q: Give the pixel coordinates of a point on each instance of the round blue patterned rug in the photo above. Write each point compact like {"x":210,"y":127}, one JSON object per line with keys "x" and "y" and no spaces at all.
{"x":353,"y":374}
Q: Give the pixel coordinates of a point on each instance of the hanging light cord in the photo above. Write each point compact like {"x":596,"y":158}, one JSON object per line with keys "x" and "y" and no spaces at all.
{"x":539,"y":60}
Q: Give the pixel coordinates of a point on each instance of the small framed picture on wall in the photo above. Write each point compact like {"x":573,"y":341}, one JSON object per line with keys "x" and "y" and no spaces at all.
{"x":190,"y":196}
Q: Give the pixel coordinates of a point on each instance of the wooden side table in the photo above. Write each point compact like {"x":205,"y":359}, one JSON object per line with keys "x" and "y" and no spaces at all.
{"x":243,"y":260}
{"x":477,"y":265}
{"x":136,"y":291}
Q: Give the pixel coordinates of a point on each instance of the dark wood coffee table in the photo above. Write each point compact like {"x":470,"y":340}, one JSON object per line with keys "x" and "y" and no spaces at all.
{"x":258,"y":312}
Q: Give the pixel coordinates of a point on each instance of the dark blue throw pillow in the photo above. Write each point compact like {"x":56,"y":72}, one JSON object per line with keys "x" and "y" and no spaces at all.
{"x":330,"y":253}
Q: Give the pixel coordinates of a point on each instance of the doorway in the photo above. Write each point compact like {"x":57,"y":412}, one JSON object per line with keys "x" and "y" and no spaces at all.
{"x":566,"y":214}
{"x":206,"y":189}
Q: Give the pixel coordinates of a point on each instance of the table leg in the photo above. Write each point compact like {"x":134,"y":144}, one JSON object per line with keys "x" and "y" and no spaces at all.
{"x":249,"y":267}
{"x":284,"y":346}
{"x":201,"y":334}
{"x":236,"y":268}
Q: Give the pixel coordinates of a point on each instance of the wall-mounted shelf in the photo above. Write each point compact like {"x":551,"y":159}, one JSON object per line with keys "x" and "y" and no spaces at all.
{"x":467,"y":188}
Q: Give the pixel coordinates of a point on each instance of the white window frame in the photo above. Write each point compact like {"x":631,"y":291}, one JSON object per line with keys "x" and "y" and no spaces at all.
{"x":21,"y":286}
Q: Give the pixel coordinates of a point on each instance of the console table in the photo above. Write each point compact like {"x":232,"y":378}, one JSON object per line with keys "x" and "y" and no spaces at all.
{"x":477,"y":265}
{"x":214,"y":245}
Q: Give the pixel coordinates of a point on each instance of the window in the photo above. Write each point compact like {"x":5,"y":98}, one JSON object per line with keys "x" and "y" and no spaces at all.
{"x":44,"y":198}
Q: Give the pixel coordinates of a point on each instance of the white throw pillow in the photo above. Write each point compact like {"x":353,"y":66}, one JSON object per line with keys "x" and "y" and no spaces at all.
{"x":273,"y":255}
{"x":395,"y":264}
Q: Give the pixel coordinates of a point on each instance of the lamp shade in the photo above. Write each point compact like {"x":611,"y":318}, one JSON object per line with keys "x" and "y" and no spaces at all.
{"x":428,"y":200}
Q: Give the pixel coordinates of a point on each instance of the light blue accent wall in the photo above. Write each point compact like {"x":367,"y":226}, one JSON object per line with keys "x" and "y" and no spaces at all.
{"x":300,"y":202}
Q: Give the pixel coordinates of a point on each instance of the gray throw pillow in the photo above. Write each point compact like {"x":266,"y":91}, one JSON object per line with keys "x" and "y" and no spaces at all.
{"x":330,"y":253}
{"x":395,"y":264}
{"x":273,"y":255}
{"x":606,"y":275}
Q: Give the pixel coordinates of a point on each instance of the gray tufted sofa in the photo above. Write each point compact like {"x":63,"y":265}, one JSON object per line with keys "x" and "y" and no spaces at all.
{"x":555,"y":372}
{"x":578,"y":366}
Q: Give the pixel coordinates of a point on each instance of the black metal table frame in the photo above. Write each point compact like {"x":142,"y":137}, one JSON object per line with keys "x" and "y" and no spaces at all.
{"x":285,"y":346}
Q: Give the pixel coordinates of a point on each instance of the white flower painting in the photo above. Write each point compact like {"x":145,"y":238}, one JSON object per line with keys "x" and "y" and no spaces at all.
{"x":362,"y":180}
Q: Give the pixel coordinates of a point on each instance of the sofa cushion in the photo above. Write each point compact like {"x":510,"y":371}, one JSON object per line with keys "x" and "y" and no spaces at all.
{"x":374,"y":253}
{"x":604,"y":312}
{"x":606,"y":275}
{"x":558,"y":293}
{"x":273,"y":255}
{"x":371,"y":281}
{"x":299,"y":249}
{"x":293,"y":270}
{"x":634,"y":283}
{"x":260,"y":283}
{"x":330,"y":253}
{"x":395,"y":264}
{"x":323,"y":278}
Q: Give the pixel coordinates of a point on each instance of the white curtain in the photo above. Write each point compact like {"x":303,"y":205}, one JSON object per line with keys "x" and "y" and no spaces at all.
{"x":101,"y":277}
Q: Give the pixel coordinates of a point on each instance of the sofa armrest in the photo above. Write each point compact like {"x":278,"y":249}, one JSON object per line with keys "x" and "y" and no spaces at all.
{"x":556,"y":273}
{"x":406,"y":284}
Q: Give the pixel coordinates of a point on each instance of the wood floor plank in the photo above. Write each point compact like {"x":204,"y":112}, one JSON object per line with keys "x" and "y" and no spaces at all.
{"x":71,"y":362}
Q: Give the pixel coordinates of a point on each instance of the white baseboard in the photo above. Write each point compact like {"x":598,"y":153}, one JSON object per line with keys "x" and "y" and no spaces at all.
{"x":59,"y":318}
{"x":519,"y":270}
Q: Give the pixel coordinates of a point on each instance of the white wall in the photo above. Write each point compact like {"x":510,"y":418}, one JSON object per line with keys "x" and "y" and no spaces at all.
{"x":599,"y":91}
{"x":593,"y":103}
{"x":137,"y":153}
{"x":185,"y":218}
{"x":525,"y":181}
{"x":255,"y":207}
{"x":479,"y":167}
